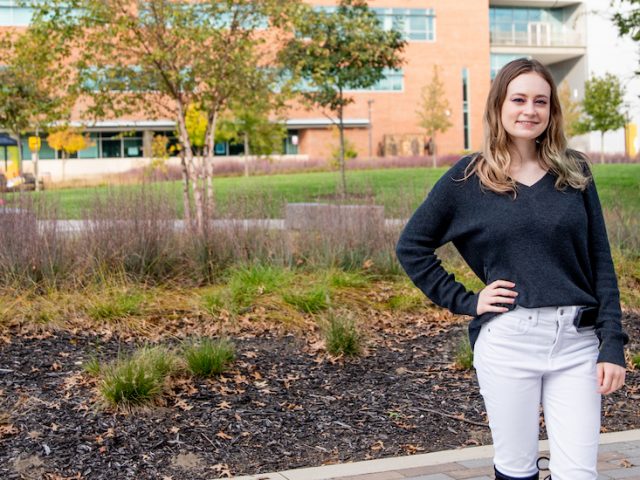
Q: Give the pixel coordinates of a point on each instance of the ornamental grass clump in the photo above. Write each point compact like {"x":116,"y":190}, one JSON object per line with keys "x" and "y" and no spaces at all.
{"x":313,"y":300}
{"x":207,"y":357}
{"x":139,"y":378}
{"x":342,"y":336}
{"x":120,"y":305}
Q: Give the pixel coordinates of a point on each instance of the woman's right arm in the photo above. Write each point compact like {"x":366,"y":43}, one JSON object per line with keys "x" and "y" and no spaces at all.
{"x":432,"y":225}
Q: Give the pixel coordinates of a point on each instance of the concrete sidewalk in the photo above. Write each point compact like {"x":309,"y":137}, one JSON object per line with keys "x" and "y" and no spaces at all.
{"x":619,"y":458}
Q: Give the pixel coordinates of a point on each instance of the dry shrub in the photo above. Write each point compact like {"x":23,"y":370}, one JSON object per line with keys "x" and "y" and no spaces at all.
{"x":132,"y":232}
{"x":32,"y":252}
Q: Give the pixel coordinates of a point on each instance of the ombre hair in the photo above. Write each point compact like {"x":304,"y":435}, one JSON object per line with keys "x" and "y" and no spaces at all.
{"x":492,"y":164}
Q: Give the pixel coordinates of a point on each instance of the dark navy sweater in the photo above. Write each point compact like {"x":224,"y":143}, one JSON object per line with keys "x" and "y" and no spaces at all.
{"x":551,"y":243}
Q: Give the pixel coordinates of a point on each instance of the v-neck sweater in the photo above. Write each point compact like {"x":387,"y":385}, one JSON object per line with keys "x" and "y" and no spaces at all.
{"x":551,"y":243}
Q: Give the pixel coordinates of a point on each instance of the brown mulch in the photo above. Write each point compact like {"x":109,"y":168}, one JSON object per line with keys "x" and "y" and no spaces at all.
{"x":284,"y":404}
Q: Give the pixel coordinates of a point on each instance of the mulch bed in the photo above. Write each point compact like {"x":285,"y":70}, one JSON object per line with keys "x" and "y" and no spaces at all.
{"x":284,"y":404}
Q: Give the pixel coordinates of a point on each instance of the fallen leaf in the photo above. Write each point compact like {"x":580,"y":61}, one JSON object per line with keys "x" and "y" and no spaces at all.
{"x":379,"y":445}
{"x":223,"y":435}
{"x":624,"y":463}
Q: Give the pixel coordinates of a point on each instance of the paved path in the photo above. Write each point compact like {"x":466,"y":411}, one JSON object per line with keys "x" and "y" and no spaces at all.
{"x":619,"y":458}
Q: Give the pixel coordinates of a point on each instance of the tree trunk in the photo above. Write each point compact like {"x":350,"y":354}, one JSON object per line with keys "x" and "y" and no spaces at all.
{"x":186,"y":197}
{"x":601,"y":147}
{"x":432,"y":141}
{"x":246,"y":154}
{"x":343,"y":188}
{"x":188,"y":152}
{"x":35,"y":156}
{"x":211,"y":199}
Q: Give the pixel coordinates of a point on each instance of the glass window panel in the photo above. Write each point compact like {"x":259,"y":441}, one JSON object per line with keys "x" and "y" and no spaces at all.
{"x":92,"y":150}
{"x":503,"y":15}
{"x":46,"y":152}
{"x":520,"y":14}
{"x":236,"y":149}
{"x":417,"y":23}
{"x":111,"y":148}
{"x":220,"y":148}
{"x":133,"y":147}
{"x":535,"y":14}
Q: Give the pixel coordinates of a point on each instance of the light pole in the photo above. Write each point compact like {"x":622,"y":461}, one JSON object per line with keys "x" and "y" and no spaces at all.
{"x":369,"y":103}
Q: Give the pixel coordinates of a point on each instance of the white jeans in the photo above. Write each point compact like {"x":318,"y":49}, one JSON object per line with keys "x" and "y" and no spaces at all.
{"x":526,"y":357}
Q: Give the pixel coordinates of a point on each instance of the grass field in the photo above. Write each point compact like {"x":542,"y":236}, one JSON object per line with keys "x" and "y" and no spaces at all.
{"x":399,"y":189}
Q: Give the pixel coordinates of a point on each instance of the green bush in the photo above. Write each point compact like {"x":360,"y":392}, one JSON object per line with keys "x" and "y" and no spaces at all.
{"x":208,"y":357}
{"x":138,"y":378}
{"x":247,"y":283}
{"x":342,"y":279}
{"x":342,"y":336}
{"x":407,"y":303}
{"x":635,"y":360}
{"x":117,"y":306}
{"x":92,"y":367}
{"x":213,"y":302}
{"x":310,"y":301}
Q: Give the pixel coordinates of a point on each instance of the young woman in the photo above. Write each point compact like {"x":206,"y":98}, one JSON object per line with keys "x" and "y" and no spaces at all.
{"x":525,"y":215}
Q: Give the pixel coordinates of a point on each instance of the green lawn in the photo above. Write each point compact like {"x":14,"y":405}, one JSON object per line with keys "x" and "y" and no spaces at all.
{"x":399,"y":189}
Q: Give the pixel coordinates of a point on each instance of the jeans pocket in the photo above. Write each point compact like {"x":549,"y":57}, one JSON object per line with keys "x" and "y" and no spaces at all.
{"x":513,"y":323}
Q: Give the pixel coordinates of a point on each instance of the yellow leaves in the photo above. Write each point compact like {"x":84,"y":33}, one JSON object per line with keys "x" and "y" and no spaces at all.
{"x":68,"y":139}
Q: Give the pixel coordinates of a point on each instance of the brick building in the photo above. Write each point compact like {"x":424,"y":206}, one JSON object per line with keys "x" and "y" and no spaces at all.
{"x":467,"y":40}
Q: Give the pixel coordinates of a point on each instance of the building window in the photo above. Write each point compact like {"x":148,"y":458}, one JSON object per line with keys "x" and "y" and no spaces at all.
{"x":393,"y":81}
{"x":499,"y":60}
{"x":412,"y":23}
{"x":13,"y":15}
{"x":132,"y":144}
{"x":465,"y":109}
{"x":92,"y":151}
{"x":291,"y":143}
{"x":531,"y":26}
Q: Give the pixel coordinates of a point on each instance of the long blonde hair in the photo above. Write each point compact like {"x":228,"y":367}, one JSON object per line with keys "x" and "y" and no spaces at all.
{"x":492,"y":164}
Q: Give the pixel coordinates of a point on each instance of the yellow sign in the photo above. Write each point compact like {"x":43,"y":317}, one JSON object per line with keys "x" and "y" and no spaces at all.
{"x":631,"y":139}
{"x":34,"y":144}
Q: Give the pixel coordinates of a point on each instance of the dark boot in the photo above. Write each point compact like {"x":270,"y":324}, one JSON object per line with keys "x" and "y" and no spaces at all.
{"x":502,"y":476}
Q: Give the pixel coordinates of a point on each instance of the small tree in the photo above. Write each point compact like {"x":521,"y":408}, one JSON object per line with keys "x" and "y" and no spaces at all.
{"x":35,"y":89}
{"x":161,"y":57}
{"x":628,"y":19}
{"x":434,"y":110}
{"x":570,"y":111}
{"x":68,"y":141}
{"x":256,"y":124}
{"x":601,"y":107}
{"x":335,"y":51}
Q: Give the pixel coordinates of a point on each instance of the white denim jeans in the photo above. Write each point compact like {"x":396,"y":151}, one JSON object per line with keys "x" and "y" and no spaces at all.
{"x":527,"y":357}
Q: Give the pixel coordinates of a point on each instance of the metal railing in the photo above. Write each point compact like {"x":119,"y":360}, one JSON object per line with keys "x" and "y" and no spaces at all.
{"x":538,"y":39}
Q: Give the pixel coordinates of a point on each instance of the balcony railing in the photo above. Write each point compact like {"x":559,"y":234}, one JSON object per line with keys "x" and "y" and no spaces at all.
{"x":538,"y":37}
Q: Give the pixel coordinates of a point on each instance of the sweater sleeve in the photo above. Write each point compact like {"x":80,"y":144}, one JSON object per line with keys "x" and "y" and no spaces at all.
{"x":608,"y":324}
{"x":430,"y":227}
